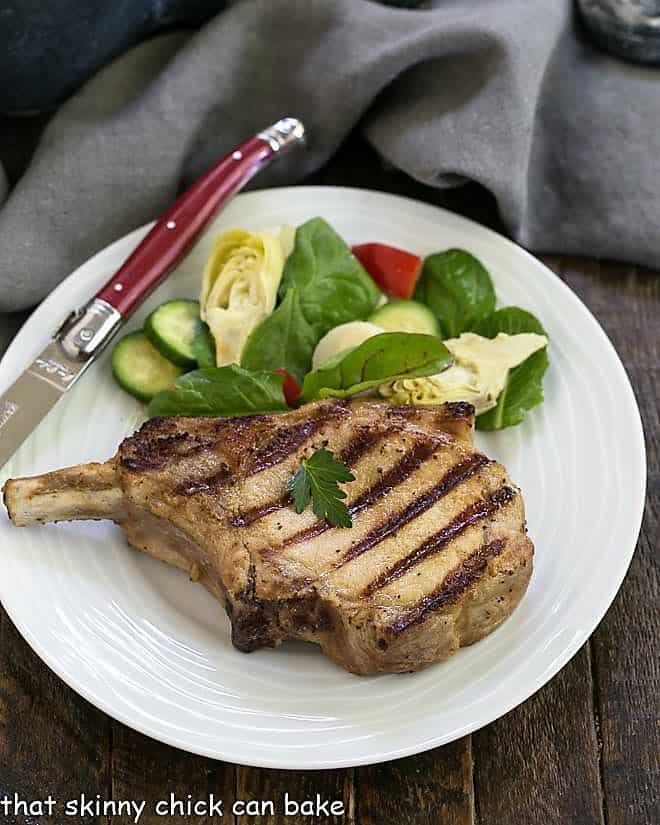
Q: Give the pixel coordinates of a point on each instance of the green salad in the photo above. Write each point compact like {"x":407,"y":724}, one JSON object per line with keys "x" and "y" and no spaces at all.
{"x":294,"y":315}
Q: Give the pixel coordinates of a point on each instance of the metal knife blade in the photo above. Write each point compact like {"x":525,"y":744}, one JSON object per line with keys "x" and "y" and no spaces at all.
{"x":29,"y":399}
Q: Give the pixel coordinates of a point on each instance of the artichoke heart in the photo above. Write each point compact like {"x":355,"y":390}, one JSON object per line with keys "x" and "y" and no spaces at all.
{"x":478,"y":374}
{"x":240,"y":285}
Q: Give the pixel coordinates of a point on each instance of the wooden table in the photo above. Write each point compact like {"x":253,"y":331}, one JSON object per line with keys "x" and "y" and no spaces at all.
{"x":584,"y":749}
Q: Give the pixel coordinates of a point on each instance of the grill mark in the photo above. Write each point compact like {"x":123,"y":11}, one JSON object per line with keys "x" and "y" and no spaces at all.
{"x":352,"y":452}
{"x":452,"y":478}
{"x":438,"y":541}
{"x":248,"y":517}
{"x":155,"y":451}
{"x":287,"y":440}
{"x":459,"y":409}
{"x":158,"y":442}
{"x":402,"y":470}
{"x":449,"y":410}
{"x":204,"y":485}
{"x":451,"y":588}
{"x":365,"y":439}
{"x":284,"y":442}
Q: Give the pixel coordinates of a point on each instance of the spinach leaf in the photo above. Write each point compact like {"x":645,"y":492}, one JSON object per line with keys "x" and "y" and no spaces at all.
{"x":323,"y":285}
{"x":524,"y":385}
{"x":221,"y":391}
{"x":384,"y":357}
{"x":511,"y":320}
{"x":457,"y":288}
{"x":333,"y":285}
{"x":284,"y":339}
{"x":203,"y":346}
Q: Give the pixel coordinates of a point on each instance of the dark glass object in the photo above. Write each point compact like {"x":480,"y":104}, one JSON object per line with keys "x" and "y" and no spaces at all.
{"x":628,"y":28}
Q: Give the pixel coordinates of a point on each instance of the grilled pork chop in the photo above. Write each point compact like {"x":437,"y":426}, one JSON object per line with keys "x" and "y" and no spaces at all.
{"x":437,"y":557}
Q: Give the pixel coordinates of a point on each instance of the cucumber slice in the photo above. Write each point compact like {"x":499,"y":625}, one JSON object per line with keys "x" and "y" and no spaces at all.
{"x":406,"y":316}
{"x":140,"y":369}
{"x":171,"y":328}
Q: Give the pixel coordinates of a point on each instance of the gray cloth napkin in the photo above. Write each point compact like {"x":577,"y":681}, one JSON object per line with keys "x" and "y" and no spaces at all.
{"x":504,"y":93}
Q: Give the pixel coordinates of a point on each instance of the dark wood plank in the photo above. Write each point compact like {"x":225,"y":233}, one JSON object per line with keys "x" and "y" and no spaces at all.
{"x":145,"y":770}
{"x":626,"y":671}
{"x":269,"y":785}
{"x":51,"y":740}
{"x":628,"y":685}
{"x":539,"y":763}
{"x":432,"y":788}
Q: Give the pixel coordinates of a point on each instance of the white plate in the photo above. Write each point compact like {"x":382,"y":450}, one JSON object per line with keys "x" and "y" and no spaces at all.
{"x":142,"y":643}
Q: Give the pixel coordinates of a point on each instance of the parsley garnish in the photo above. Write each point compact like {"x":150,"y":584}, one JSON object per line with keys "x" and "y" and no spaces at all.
{"x":318,"y":481}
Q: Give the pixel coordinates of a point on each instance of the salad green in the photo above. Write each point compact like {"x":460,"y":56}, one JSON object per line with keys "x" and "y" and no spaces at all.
{"x":383,"y":357}
{"x":284,"y":340}
{"x":457,"y":288}
{"x":325,"y":293}
{"x":222,"y":391}
{"x":511,"y":320}
{"x":323,"y":285}
{"x":332,"y":282}
{"x":524,"y":386}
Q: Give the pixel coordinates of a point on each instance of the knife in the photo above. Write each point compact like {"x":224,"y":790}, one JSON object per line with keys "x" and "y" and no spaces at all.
{"x":87,"y":331}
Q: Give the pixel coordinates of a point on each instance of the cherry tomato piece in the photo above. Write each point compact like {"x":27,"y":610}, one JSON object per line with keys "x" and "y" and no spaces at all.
{"x":394,"y":270}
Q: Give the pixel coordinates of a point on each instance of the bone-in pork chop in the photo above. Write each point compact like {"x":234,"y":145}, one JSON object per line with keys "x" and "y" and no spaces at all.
{"x":438,"y":555}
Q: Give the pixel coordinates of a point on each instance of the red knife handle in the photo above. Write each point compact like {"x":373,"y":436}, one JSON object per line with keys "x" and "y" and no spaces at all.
{"x":177,"y":229}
